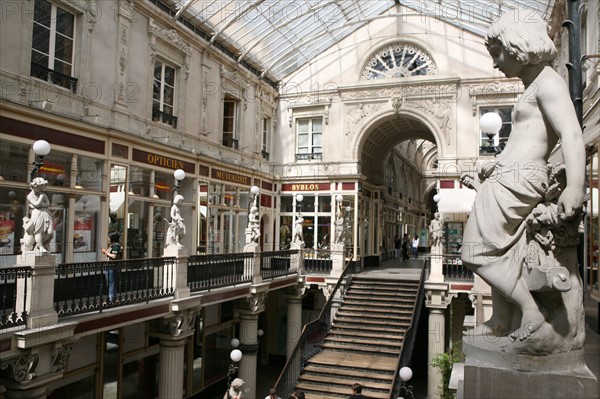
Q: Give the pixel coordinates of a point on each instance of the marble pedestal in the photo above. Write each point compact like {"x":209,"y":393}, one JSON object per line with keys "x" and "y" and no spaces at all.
{"x":491,"y":372}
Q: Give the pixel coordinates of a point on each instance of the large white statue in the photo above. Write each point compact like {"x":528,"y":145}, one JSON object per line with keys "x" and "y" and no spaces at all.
{"x":38,"y":227}
{"x":298,"y":230}
{"x":436,"y":231}
{"x":176,"y":229}
{"x":521,"y":235}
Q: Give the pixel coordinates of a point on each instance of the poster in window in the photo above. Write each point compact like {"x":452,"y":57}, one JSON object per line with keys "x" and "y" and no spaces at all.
{"x":7,"y":235}
{"x":82,"y":233}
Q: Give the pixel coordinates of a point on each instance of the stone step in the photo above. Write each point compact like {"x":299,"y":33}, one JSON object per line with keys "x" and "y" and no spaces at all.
{"x":312,"y":390}
{"x":355,"y":361}
{"x":343,"y":381}
{"x":340,"y":320}
{"x":381,"y":344}
{"x":353,"y":374}
{"x":365,"y":349}
{"x":388,"y":307}
{"x":343,"y":312}
{"x":371,"y":329}
{"x":338,"y":331}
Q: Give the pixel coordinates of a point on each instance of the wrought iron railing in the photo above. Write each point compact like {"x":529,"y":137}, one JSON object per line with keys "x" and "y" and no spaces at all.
{"x":277,"y":263}
{"x":57,"y":78}
{"x":206,"y":272}
{"x":311,"y":339}
{"x":454,"y":270}
{"x":84,"y":287}
{"x":159,"y":116}
{"x":14,"y":282}
{"x":309,"y":156}
{"x":317,"y":260}
{"x":409,"y":337}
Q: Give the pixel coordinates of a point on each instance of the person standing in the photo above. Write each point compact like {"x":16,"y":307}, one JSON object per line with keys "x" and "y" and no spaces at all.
{"x":272,"y":394}
{"x":397,"y":247}
{"x":405,"y":247}
{"x":415,"y":246}
{"x":113,"y":252}
{"x":357,"y":392}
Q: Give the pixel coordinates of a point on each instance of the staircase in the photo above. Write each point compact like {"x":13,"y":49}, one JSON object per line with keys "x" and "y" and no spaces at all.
{"x":364,"y":342}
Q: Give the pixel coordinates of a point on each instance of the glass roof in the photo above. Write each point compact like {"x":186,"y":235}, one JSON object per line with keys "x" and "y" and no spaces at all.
{"x":276,"y":37}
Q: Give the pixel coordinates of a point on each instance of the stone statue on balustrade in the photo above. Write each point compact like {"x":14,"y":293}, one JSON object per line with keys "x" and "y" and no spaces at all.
{"x":176,"y":229}
{"x":298,"y":230}
{"x":253,"y":225}
{"x":38,"y":226}
{"x":522,"y":233}
{"x":436,"y":232}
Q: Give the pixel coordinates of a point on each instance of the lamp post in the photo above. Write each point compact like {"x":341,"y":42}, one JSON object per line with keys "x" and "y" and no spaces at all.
{"x":235,"y":356}
{"x":41,"y":149}
{"x":490,"y":124}
{"x":299,"y":198}
{"x":406,"y":391}
{"x":179,"y":175}
{"x":254,"y":190}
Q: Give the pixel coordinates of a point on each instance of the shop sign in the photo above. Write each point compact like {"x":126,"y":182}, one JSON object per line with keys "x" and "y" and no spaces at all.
{"x":162,"y":161}
{"x":305,"y":187}
{"x":230,"y":177}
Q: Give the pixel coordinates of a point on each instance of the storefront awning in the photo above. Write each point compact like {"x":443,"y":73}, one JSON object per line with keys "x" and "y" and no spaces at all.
{"x":456,"y":200}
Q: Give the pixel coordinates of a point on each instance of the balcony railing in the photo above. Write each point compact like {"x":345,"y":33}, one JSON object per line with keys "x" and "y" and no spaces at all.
{"x":57,"y":78}
{"x":265,"y":155}
{"x":454,"y":270}
{"x":14,"y":280}
{"x":206,"y":272}
{"x":276,"y":264}
{"x":229,"y":141}
{"x":159,"y":116}
{"x":83,"y":287}
{"x":309,"y":156}
{"x":317,"y":260}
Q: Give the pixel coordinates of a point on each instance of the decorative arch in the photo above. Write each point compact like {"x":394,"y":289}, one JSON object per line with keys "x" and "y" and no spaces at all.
{"x":398,"y":60}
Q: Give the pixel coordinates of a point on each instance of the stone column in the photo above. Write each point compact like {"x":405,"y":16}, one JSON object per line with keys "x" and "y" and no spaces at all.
{"x":249,"y":339}
{"x":437,"y":300}
{"x":294,"y":318}
{"x":436,"y":345}
{"x":249,"y":348}
{"x":173,"y":333}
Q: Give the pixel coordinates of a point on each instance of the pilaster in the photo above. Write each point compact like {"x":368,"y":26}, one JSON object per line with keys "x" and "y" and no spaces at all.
{"x":40,"y":293}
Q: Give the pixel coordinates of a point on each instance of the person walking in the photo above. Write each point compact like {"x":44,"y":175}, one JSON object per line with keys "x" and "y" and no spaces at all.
{"x":397,"y":247}
{"x":113,"y":252}
{"x":405,"y":247}
{"x":415,"y":246}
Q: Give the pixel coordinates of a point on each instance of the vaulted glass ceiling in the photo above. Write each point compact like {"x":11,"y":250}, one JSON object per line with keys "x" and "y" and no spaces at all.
{"x":276,"y":37}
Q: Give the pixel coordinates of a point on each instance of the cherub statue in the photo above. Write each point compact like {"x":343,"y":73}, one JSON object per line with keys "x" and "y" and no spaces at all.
{"x":235,"y":390}
{"x":176,"y":229}
{"x":38,"y":227}
{"x":254,"y":224}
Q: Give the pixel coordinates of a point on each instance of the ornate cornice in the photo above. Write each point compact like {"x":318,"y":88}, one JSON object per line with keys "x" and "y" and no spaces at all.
{"x":170,"y":36}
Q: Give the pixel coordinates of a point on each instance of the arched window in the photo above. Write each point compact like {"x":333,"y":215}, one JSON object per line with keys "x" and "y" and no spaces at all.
{"x":398,"y":60}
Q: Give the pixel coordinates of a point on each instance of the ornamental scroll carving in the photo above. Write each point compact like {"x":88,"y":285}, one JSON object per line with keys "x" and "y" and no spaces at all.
{"x":169,"y":35}
{"x":256,"y":302}
{"x":60,"y":355}
{"x":21,"y":368}
{"x":177,"y":324}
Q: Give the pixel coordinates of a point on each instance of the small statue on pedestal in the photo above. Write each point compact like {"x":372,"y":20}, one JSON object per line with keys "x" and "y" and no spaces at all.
{"x":176,"y":229}
{"x":38,"y":227}
{"x":436,"y":231}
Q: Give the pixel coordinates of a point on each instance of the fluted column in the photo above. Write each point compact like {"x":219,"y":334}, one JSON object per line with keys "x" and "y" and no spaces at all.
{"x":249,"y":348}
{"x":173,"y":333}
{"x":437,"y":339}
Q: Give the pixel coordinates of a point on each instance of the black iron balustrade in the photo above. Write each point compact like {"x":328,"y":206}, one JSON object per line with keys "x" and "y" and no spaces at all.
{"x":264,"y":154}
{"x":410,"y":335}
{"x":231,"y":142}
{"x":82,"y":287}
{"x":159,"y":116}
{"x":57,"y":78}
{"x":311,"y":339}
{"x":14,"y":280}
{"x":318,"y":261}
{"x":206,"y":272}
{"x":454,"y":270}
{"x":276,"y":263}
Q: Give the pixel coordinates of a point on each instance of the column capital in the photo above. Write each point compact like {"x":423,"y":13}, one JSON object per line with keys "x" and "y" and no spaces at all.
{"x":438,"y":296}
{"x":255,"y":303}
{"x":181,"y":323}
{"x":21,"y":368}
{"x":296,"y":291}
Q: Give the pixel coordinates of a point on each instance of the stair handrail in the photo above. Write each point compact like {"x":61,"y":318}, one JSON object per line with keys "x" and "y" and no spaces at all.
{"x":409,"y":336}
{"x":313,"y":333}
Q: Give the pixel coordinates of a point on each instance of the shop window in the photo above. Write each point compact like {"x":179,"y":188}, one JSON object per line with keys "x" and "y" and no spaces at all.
{"x":86,"y":227}
{"x":13,"y":161}
{"x":498,"y":143}
{"x":89,"y":173}
{"x":230,"y":106}
{"x":163,"y":96}
{"x":309,"y":139}
{"x":52,"y":45}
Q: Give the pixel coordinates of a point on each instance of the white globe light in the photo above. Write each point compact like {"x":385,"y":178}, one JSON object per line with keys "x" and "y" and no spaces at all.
{"x":254,"y":190}
{"x":490,"y":123}
{"x":235,"y":343}
{"x":299,"y":197}
{"x":179,"y":174}
{"x":406,"y":373}
{"x":235,"y":355}
{"x":41,"y":147}
{"x":339,"y":198}
{"x":260,"y":333}
{"x":437,"y":198}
